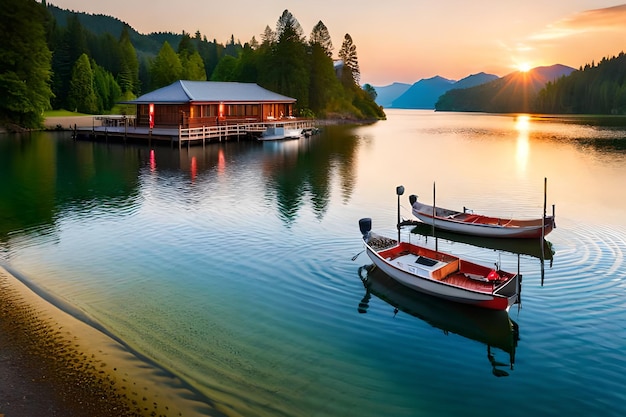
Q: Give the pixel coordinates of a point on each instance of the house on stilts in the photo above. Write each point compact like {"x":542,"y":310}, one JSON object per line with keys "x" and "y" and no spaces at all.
{"x":196,"y":112}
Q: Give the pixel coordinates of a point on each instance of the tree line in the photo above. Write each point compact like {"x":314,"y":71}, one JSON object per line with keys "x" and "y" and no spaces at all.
{"x":45,"y":64}
{"x":593,"y":89}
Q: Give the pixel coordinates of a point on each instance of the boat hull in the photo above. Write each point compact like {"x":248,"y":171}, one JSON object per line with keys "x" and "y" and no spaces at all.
{"x":484,"y":226}
{"x":441,"y":289}
{"x":281,"y":133}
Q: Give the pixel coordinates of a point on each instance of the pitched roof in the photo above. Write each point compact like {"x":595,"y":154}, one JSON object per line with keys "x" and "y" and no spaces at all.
{"x":210,"y":91}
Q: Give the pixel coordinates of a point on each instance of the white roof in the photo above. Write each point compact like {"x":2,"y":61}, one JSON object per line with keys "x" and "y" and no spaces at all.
{"x":211,"y":91}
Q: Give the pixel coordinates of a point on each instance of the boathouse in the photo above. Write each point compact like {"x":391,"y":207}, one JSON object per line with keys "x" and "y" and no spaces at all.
{"x":189,"y":104}
{"x":192,"y":112}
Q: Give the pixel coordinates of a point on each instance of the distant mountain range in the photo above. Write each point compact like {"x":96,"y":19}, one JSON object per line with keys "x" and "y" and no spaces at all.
{"x":426,"y":93}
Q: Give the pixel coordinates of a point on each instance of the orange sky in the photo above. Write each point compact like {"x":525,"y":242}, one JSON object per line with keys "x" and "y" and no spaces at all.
{"x":404,"y":40}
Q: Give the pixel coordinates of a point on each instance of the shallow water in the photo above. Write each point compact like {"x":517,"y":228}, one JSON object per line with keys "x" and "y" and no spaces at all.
{"x":230,"y":265}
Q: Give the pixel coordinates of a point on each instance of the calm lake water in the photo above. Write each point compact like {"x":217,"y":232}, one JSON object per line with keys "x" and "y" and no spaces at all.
{"x":231,"y":265}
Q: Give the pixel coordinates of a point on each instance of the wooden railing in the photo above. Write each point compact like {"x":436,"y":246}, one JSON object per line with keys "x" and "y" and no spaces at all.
{"x":239,"y":129}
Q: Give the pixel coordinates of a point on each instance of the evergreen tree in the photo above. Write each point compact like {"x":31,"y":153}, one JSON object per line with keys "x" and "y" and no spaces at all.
{"x":247,"y":66}
{"x":185,"y":46}
{"x":233,"y":48}
{"x":351,"y":72}
{"x":128,"y":75}
{"x":371,"y":91}
{"x":82,"y":97}
{"x":268,"y":38}
{"x":193,"y":67}
{"x":325,"y":90}
{"x":72,"y":43}
{"x":288,"y":73}
{"x":226,"y":70}
{"x":24,"y":63}
{"x":321,"y":37}
{"x":108,"y":91}
{"x":166,"y":67}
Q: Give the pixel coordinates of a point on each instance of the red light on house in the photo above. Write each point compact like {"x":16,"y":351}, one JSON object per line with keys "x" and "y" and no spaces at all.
{"x":194,"y":168}
{"x":151,"y":114}
{"x":221,"y":162}
{"x":152,"y":161}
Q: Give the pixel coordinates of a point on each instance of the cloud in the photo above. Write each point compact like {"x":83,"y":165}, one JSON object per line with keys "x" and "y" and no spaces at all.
{"x":598,"y":20}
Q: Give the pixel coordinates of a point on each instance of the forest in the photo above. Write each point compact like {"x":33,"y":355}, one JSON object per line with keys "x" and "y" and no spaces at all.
{"x":50,"y":59}
{"x":593,"y":89}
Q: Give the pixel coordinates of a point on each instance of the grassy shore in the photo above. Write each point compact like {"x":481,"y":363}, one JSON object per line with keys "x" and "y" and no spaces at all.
{"x":52,"y":364}
{"x":66,"y":120}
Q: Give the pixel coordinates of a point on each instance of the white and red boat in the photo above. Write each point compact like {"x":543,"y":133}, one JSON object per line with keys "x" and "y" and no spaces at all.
{"x":480,"y":225}
{"x":440,"y":274}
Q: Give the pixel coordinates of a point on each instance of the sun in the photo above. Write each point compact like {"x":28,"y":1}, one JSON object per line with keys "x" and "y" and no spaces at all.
{"x":524,"y":67}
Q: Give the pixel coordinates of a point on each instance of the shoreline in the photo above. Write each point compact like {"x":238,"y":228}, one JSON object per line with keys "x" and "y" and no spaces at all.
{"x":52,"y":363}
{"x":67,"y":123}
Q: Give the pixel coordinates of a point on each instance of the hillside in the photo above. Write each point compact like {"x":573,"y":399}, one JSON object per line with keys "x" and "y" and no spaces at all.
{"x":515,"y":92}
{"x":594,"y":89}
{"x":474,"y":80}
{"x":99,"y":24}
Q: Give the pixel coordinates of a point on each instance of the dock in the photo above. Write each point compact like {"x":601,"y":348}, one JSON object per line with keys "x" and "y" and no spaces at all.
{"x":123,"y":129}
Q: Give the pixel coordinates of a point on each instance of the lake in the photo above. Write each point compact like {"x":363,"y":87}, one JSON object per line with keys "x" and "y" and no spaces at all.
{"x":231,"y":265}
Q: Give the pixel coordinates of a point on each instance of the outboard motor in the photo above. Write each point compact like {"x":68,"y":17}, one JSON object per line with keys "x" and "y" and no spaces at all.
{"x":365,"y":225}
{"x":412,"y":199}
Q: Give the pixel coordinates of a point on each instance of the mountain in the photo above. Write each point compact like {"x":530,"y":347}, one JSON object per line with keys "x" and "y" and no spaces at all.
{"x":513,"y":93}
{"x":474,"y":80}
{"x":423,"y":94}
{"x":387,"y":94}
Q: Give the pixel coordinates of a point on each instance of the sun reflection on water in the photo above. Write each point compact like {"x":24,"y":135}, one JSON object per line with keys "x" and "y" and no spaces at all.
{"x":522,"y":126}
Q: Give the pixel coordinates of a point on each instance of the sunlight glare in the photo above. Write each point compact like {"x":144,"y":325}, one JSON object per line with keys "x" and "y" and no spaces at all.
{"x":524,"y":67}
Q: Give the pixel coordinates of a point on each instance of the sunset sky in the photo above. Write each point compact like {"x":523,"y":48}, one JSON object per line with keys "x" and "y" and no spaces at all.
{"x":404,"y":40}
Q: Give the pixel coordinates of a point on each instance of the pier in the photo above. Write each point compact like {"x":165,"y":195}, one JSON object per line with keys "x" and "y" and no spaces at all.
{"x":122,"y":128}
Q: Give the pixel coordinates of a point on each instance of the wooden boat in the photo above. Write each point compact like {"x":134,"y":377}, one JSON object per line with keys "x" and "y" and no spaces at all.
{"x":479,"y":225}
{"x":541,"y":249}
{"x":495,"y":329}
{"x":439,"y":274}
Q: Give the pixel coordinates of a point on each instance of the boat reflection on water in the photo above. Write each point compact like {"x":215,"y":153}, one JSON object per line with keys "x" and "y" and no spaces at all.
{"x":495,"y":329}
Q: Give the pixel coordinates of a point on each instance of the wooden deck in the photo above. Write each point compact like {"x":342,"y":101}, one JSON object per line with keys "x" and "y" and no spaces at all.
{"x":180,"y":136}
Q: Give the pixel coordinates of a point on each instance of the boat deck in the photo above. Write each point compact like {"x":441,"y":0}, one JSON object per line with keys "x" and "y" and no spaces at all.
{"x":437,"y":266}
{"x":460,"y":279}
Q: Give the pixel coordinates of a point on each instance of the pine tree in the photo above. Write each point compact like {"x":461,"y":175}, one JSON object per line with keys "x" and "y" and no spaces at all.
{"x":351,"y":72}
{"x":24,"y":63}
{"x":321,"y":37}
{"x":324,"y":87}
{"x":193,"y":67}
{"x":82,"y":97}
{"x":288,"y":71}
{"x":166,"y":67}
{"x":128,"y":77}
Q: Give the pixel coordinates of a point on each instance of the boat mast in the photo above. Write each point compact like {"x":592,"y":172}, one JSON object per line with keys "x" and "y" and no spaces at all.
{"x":543,"y":218}
{"x":436,"y":242}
